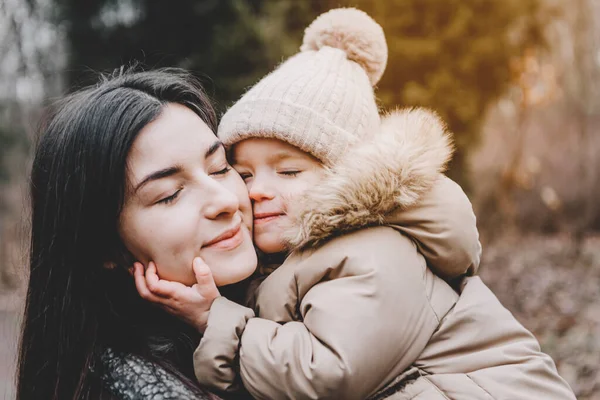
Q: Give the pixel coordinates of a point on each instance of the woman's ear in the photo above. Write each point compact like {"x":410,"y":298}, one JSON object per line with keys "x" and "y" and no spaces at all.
{"x":121,"y":258}
{"x":110,"y":265}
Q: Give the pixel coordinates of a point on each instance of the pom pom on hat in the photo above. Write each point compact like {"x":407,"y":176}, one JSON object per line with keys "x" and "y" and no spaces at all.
{"x":354,"y":32}
{"x":320,"y":100}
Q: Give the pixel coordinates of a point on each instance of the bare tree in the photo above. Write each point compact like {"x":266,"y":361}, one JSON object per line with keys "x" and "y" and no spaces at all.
{"x":32,"y":57}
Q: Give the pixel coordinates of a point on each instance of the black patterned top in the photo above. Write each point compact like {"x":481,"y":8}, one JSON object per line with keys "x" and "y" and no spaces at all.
{"x":130,"y":377}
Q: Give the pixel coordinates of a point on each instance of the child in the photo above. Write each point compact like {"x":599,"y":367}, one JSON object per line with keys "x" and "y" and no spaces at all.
{"x":355,"y":310}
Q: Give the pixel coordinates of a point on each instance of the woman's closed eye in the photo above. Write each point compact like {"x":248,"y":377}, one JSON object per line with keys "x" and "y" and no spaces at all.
{"x":171,"y":198}
{"x":221,"y":172}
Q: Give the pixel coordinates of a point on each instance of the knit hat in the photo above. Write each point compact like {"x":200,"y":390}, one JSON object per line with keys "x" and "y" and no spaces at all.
{"x":320,"y":100}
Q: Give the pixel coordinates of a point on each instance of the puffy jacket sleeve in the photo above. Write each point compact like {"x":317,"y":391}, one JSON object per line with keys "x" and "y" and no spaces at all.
{"x":216,"y":358}
{"x":444,"y":227}
{"x":363,"y":318}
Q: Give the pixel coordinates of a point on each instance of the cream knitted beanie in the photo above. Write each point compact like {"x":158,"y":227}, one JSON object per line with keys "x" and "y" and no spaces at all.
{"x":320,"y":100}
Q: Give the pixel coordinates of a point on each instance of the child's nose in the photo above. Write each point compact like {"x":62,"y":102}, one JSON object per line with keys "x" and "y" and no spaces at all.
{"x":260,"y":190}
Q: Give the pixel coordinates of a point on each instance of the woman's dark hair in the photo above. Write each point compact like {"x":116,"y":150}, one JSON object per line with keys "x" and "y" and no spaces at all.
{"x":76,"y":307}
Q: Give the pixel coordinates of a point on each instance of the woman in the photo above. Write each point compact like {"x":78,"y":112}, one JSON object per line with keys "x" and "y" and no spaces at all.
{"x":128,"y":171}
{"x":109,"y":162}
{"x":86,"y":332}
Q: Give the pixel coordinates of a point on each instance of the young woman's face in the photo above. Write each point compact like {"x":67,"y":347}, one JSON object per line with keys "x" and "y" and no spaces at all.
{"x":184,"y":200}
{"x":275,"y":173}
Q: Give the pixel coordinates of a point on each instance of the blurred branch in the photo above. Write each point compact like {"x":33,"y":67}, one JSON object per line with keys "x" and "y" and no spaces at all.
{"x":540,"y":161}
{"x":587,"y":97}
{"x":454,"y":56}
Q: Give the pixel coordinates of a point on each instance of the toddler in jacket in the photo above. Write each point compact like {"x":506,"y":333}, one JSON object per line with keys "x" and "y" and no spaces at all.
{"x":358,"y":230}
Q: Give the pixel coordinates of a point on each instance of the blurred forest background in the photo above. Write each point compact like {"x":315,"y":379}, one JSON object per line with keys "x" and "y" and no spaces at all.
{"x":518,"y":82}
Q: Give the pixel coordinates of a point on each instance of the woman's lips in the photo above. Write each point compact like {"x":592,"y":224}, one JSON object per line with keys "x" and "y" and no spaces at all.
{"x":228,"y":240}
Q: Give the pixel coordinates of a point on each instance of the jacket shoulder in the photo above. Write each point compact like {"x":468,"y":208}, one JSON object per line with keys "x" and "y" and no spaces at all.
{"x":381,"y":250}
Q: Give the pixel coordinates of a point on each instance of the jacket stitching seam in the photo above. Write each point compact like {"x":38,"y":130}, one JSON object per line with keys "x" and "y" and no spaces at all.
{"x":479,"y":386}
{"x":437,"y":319}
{"x":436,"y":388}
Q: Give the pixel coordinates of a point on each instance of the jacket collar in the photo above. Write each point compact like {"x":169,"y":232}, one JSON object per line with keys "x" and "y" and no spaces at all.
{"x":386,"y":172}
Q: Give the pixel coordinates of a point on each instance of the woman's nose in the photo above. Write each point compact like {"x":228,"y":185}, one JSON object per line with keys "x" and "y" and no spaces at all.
{"x":222,"y":202}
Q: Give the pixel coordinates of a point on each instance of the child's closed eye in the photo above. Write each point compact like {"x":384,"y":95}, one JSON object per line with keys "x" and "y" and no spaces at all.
{"x":245,"y":175}
{"x":290,"y":173}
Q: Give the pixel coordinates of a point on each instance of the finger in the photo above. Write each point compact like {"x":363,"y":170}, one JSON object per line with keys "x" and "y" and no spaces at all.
{"x":206,"y":285}
{"x":151,"y":276}
{"x":160,"y":287}
{"x":140,"y":283}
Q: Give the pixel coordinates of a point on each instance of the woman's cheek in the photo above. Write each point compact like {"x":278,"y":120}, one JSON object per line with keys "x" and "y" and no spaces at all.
{"x":236,"y":185}
{"x":180,"y":229}
{"x":175,"y":246}
{"x":166,"y":232}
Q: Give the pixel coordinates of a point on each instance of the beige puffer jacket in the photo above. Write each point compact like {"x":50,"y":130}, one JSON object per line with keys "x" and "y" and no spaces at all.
{"x":356,"y":310}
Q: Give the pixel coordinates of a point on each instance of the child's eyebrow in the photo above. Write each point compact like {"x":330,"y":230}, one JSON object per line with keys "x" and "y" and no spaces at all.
{"x":280,"y":156}
{"x":272,"y":158}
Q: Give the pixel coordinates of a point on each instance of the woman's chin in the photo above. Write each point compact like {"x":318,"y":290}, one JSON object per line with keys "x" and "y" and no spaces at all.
{"x":236,"y":265}
{"x":236,"y":277}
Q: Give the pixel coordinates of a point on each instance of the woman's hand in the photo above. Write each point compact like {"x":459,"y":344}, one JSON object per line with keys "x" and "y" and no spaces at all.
{"x":190,"y":304}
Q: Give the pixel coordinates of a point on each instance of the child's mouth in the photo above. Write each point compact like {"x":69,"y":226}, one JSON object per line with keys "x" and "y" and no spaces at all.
{"x":264,"y":218}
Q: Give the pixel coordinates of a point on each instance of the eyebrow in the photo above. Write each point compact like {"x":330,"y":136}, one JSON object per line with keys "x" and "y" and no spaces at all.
{"x":213,"y":148}
{"x":163,"y":173}
{"x":170,"y":171}
{"x":273,"y":158}
{"x":281,"y":155}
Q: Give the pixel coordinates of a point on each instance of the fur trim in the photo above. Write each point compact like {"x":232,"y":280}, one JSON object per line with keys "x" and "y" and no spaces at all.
{"x":374,"y":178}
{"x":354,"y":32}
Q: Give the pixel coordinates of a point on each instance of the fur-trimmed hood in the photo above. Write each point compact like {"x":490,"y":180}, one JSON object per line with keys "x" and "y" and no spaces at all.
{"x":388,"y":172}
